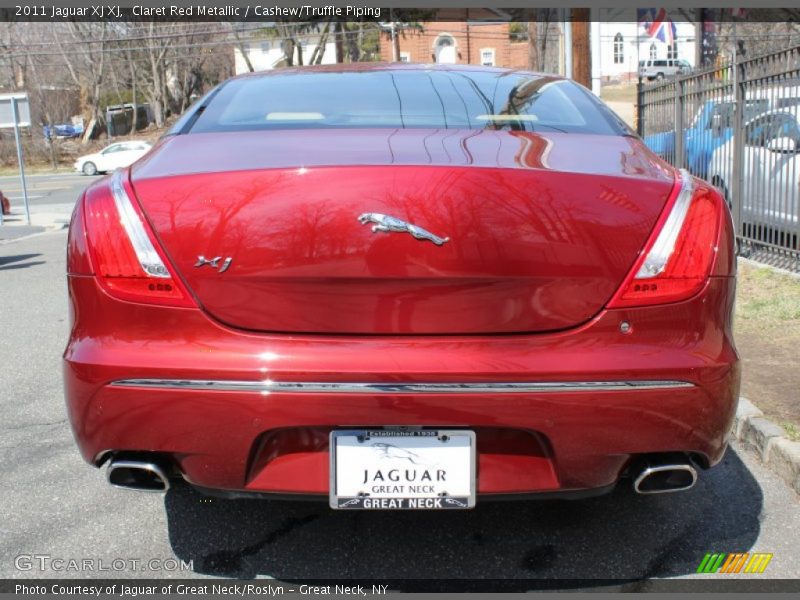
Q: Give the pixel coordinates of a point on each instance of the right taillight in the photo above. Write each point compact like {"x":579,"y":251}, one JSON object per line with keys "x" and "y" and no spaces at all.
{"x":679,"y":255}
{"x":123,"y":250}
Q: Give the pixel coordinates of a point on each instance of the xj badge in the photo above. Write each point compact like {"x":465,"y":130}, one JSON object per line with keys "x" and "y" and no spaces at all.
{"x":214,"y":262}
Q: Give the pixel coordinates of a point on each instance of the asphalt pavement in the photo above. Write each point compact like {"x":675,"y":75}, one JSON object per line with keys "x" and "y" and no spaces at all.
{"x":51,"y":198}
{"x":55,"y":505}
{"x":44,"y":189}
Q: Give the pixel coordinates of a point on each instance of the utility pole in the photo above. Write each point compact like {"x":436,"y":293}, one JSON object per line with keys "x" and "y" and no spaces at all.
{"x":581,"y":50}
{"x":395,"y":40}
{"x":395,"y":44}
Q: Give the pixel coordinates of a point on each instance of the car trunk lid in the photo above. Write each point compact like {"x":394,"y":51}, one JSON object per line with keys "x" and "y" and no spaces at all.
{"x":541,"y":230}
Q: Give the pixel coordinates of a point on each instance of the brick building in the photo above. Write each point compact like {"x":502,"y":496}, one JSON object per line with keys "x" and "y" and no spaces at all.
{"x":622,"y":44}
{"x":458,"y":42}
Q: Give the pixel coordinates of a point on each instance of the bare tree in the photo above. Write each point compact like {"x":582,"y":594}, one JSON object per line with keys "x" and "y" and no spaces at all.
{"x":185,"y":71}
{"x":86,"y":62}
{"x":361,"y":40}
{"x":538,"y":39}
{"x":241,"y":45}
{"x":319,"y":51}
{"x":156,"y":49}
{"x":16,"y":65}
{"x":338,"y":34}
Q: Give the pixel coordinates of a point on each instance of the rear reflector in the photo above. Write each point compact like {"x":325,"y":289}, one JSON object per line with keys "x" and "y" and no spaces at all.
{"x":126,"y":261}
{"x":679,"y":255}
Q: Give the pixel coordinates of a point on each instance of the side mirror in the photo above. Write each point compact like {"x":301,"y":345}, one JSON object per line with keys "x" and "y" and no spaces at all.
{"x":785,"y":145}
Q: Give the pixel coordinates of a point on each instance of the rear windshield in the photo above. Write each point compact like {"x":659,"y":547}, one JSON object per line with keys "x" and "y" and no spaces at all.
{"x":406,"y":99}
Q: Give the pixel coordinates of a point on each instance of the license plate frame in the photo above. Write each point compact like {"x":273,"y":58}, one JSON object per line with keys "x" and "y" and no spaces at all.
{"x":429,"y":440}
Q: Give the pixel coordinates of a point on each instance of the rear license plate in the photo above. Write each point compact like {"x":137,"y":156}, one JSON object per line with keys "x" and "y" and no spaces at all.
{"x":402,"y":469}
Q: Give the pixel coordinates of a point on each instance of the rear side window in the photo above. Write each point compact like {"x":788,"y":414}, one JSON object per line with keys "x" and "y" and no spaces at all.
{"x":753,"y":108}
{"x":721,"y":116}
{"x":406,"y":99}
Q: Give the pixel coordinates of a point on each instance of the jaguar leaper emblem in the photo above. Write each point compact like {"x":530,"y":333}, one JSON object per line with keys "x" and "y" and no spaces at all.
{"x":390,"y":224}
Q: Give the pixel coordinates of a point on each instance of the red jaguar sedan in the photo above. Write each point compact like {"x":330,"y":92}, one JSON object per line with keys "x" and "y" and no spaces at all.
{"x":400,"y":287}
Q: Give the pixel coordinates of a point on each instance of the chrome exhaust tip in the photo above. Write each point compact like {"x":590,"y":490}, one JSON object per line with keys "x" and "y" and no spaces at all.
{"x":665,"y":478}
{"x":137,"y":475}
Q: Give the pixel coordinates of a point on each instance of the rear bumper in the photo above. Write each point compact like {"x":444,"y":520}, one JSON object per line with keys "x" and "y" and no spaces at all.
{"x":271,"y":438}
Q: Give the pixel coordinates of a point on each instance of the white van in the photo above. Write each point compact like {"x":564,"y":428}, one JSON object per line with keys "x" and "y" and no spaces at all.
{"x":663,"y":67}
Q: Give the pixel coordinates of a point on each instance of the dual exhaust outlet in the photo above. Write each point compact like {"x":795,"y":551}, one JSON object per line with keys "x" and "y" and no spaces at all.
{"x":144,"y":476}
{"x":656,"y":476}
{"x":661,"y":475}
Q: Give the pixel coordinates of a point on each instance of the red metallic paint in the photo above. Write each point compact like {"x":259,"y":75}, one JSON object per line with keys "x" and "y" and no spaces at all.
{"x":526,"y":253}
{"x":78,"y":262}
{"x":213,"y":434}
{"x":525,"y":212}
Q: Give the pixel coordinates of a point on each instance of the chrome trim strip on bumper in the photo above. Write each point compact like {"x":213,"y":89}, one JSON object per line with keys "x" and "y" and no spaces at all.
{"x":303,"y":387}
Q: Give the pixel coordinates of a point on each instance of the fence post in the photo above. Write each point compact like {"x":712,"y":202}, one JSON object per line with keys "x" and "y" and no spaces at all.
{"x":739,"y":71}
{"x":680,"y":158}
{"x":640,"y":107}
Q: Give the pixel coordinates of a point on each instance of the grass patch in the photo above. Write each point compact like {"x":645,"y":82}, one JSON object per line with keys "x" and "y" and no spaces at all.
{"x":767,"y":297}
{"x":767,"y":334}
{"x":619,"y":93}
{"x":792,"y":431}
{"x":34,"y":170}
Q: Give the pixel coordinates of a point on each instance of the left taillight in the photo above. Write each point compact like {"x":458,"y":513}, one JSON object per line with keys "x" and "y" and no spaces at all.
{"x":123,"y":250}
{"x":678,"y":258}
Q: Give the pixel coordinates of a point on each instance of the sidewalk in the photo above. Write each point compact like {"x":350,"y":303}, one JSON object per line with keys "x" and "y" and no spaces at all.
{"x":43,"y":217}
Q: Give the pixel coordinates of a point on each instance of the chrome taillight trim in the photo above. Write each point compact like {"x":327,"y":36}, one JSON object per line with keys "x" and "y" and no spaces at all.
{"x":315,"y":387}
{"x":132,"y":223}
{"x":658,"y":256}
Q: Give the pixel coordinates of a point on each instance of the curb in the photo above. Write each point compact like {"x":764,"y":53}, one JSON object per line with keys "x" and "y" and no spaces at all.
{"x":15,"y":227}
{"x":48,"y":220}
{"x":760,"y":435}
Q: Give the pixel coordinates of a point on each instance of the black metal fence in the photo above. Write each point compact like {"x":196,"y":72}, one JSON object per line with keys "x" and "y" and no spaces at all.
{"x":737,"y":127}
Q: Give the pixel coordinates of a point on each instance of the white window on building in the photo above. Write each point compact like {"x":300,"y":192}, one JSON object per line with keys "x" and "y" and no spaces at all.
{"x":405,"y":57}
{"x":487,"y":57}
{"x":672,"y":50}
{"x":619,"y":50}
{"x":266,"y":47}
{"x":653,"y":52}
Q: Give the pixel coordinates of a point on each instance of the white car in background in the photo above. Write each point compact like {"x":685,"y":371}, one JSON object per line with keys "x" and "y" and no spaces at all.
{"x":770,"y":172}
{"x":110,"y":158}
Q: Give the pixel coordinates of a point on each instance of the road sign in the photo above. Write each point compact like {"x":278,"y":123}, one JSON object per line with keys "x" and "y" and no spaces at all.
{"x":23,"y":110}
{"x":15,"y":111}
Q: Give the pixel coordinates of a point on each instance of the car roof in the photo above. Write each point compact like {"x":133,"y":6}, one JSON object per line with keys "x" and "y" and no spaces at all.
{"x":777,"y":111}
{"x":388,"y":66}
